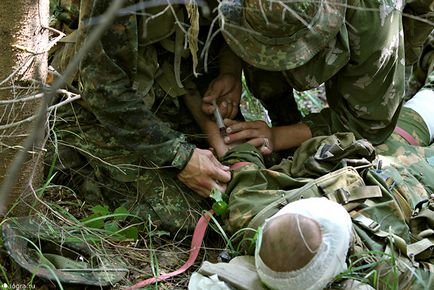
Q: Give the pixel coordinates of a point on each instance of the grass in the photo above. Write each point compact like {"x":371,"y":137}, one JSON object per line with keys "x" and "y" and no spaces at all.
{"x":152,"y":253}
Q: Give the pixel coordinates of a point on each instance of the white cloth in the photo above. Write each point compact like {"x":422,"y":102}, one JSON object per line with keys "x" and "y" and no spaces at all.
{"x":329,"y":261}
{"x":200,"y":282}
{"x":422,"y":103}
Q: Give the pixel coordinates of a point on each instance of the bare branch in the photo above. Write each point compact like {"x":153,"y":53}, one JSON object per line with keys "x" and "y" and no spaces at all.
{"x":25,"y":64}
{"x":20,"y":157}
{"x":33,"y":97}
{"x":69,"y":99}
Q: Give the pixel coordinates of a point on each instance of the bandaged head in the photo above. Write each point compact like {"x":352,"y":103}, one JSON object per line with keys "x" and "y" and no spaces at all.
{"x":321,"y":231}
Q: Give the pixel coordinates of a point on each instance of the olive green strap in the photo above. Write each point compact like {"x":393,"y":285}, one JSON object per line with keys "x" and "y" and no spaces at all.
{"x":420,"y":250}
{"x":344,"y":196}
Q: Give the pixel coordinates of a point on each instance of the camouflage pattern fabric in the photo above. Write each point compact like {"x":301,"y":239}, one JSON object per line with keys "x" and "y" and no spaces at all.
{"x":417,"y":16}
{"x":253,"y":187}
{"x":404,"y":214}
{"x":422,"y":76}
{"x":64,"y":14}
{"x":404,"y":177}
{"x":130,"y":134}
{"x":274,"y":36}
{"x":362,"y":68}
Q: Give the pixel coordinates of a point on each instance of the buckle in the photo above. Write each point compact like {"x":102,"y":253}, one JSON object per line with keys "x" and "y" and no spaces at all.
{"x":340,"y":195}
{"x":366,"y":222}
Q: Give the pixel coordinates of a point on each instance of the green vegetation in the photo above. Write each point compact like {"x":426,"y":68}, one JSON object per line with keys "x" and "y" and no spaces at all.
{"x":101,"y":218}
{"x":307,"y":102}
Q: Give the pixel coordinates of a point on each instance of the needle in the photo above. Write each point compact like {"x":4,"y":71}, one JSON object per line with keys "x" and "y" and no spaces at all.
{"x":219,"y":119}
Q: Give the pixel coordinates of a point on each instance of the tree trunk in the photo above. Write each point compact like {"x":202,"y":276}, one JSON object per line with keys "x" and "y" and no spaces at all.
{"x":23,"y":69}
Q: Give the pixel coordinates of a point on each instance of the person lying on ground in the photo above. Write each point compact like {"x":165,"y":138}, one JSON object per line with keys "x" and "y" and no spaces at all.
{"x":389,"y":197}
{"x":388,"y":210}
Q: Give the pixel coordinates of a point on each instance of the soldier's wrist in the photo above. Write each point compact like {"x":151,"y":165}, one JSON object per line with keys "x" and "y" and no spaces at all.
{"x":183,"y":155}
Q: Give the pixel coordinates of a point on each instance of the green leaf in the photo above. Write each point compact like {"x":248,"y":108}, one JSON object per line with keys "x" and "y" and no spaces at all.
{"x":111,"y":227}
{"x":220,"y":207}
{"x":100,"y":210}
{"x":122,"y":212}
{"x":130,"y":233}
{"x":93,"y":221}
{"x":216,"y":195}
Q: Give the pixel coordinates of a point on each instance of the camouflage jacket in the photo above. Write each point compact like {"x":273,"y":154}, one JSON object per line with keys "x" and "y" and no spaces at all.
{"x":363,"y":68}
{"x":130,"y":81}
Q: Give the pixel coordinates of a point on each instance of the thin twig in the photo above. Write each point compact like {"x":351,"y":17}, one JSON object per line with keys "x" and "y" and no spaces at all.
{"x":15,"y":88}
{"x":56,"y":39}
{"x":47,"y":47}
{"x":33,"y":97}
{"x":33,"y":117}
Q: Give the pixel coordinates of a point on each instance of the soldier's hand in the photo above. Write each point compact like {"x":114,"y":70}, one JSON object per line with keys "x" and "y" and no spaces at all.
{"x":204,"y":172}
{"x":226,"y":90}
{"x":257,"y":133}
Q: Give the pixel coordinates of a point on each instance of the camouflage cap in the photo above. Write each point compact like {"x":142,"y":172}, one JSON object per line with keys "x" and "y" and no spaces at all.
{"x":49,"y":251}
{"x":279,"y":35}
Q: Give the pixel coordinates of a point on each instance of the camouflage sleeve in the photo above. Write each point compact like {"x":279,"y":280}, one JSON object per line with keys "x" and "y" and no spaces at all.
{"x":118,"y":89}
{"x":423,"y":71}
{"x":418,"y":16}
{"x":365,"y":96}
{"x":428,"y":62}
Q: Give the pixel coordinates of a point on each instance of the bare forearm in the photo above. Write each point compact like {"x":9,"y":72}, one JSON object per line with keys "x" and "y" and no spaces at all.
{"x":287,"y":137}
{"x":207,"y":125}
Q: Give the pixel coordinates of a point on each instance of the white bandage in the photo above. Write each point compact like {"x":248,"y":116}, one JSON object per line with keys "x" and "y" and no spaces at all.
{"x":329,"y":261}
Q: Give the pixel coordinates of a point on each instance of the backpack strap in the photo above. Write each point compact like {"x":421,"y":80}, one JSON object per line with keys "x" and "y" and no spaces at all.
{"x":345,"y":196}
{"x":344,"y":186}
{"x":366,"y":223}
{"x":420,"y":250}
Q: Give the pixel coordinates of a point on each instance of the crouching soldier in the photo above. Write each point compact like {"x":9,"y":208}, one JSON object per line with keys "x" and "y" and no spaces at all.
{"x":130,"y":139}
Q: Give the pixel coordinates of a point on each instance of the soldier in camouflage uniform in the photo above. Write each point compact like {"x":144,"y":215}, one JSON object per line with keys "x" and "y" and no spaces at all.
{"x":131,"y":139}
{"x":356,"y":48}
